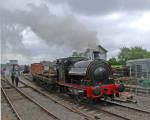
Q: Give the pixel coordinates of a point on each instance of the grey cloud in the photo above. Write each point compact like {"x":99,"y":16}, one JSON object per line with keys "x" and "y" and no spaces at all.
{"x":66,"y":31}
{"x":93,"y":7}
{"x":53,"y":30}
{"x":118,"y":32}
{"x":114,"y":39}
{"x":11,"y":39}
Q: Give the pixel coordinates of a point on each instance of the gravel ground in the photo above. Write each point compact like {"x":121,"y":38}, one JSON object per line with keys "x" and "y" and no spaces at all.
{"x":5,"y":84}
{"x":55,"y":108}
{"x":143,"y":103}
{"x":25,"y":108}
{"x":129,"y":113}
{"x":6,"y":111}
{"x":96,"y":114}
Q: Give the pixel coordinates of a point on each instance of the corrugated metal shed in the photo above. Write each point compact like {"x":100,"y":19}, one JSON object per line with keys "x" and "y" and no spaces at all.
{"x":139,"y":68}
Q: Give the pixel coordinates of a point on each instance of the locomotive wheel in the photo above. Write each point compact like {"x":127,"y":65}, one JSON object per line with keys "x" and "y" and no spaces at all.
{"x":112,"y":97}
{"x":77,"y":99}
{"x":60,"y":89}
{"x":50,"y":88}
{"x":90,"y":101}
{"x":117,"y":95}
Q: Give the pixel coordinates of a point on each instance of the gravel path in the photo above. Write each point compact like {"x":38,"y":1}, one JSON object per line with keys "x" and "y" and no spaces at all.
{"x":128,"y":113}
{"x":143,"y":103}
{"x":55,"y":108}
{"x":25,"y":108}
{"x":97,"y":114}
{"x":6,"y":111}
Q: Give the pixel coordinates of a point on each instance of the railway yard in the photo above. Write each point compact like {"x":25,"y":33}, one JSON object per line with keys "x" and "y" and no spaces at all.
{"x":75,"y":59}
{"x":30,"y":101}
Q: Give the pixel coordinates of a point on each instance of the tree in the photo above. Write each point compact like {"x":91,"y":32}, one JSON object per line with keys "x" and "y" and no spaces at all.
{"x":74,"y":54}
{"x":132,"y":53}
{"x":138,"y":53}
{"x":77,"y":54}
{"x":113,"y":61}
{"x":124,"y":54}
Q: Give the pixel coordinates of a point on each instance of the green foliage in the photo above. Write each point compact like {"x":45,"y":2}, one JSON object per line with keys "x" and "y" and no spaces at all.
{"x":138,"y":53}
{"x":113,"y":61}
{"x":132,"y":53}
{"x":129,"y":54}
{"x":124,"y":55}
{"x":117,"y":66}
{"x":77,"y":54}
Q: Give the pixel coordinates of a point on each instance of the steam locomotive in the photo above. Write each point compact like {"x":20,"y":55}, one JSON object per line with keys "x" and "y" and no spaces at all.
{"x":81,"y":78}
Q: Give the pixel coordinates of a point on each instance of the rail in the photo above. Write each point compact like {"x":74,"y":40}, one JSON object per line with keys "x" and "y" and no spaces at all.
{"x":32,"y":100}
{"x":114,"y":103}
{"x":76,"y":109}
{"x":9,"y":102}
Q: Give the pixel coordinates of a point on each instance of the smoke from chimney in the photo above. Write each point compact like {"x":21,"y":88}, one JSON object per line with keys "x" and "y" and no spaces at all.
{"x":52,"y":29}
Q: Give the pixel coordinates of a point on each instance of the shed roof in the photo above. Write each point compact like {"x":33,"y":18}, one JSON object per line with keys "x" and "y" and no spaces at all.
{"x":139,"y":60}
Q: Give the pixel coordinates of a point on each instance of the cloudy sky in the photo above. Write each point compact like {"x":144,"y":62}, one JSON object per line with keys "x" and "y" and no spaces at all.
{"x":34,"y":30}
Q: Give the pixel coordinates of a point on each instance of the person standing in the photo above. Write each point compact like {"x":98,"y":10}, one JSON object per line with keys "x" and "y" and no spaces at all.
{"x":16,"y":77}
{"x":12,"y":76}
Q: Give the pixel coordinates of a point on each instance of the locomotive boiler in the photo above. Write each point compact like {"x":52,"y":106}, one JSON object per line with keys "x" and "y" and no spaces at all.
{"x":83,"y":79}
{"x":98,"y":71}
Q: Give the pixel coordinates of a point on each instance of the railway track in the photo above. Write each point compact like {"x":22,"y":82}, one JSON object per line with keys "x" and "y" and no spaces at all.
{"x":75,"y":111}
{"x":16,"y":99}
{"x":96,"y":111}
{"x":10,"y":103}
{"x":77,"y":108}
{"x":118,"y":110}
{"x":119,"y":113}
{"x":128,"y":107}
{"x":7,"y":107}
{"x":138,"y":90}
{"x":127,"y":111}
